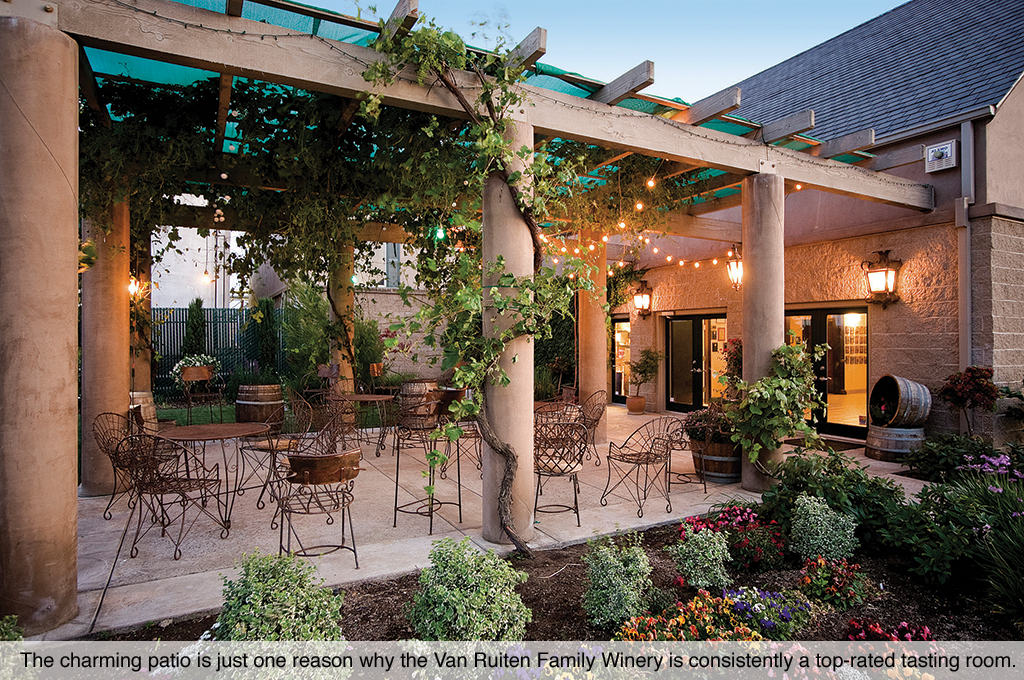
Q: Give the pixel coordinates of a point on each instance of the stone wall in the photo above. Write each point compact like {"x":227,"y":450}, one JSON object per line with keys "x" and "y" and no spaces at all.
{"x":386,"y":306}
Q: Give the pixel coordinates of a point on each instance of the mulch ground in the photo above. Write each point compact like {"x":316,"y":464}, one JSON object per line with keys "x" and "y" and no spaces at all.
{"x":554,"y":592}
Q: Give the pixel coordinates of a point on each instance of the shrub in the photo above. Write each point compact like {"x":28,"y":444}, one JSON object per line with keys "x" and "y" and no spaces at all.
{"x":368,"y":346}
{"x":834,"y":582}
{"x":468,"y":595}
{"x":619,"y":577}
{"x":941,"y":458}
{"x":702,"y":618}
{"x":872,"y":630}
{"x":701,"y":557}
{"x":278,"y":598}
{"x":712,"y":420}
{"x":194,"y":341}
{"x":1003,"y":555}
{"x":843,"y":483}
{"x":820,"y":530}
{"x":775,"y":615}
{"x":10,"y":631}
{"x":970,"y":389}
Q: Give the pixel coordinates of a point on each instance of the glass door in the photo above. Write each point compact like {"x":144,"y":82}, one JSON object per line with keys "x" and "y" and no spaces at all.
{"x":696,"y":346}
{"x":620,"y":359}
{"x":843,"y":375}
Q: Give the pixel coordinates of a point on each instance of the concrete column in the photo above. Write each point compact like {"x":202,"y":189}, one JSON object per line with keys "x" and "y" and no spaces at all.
{"x":764,"y":288}
{"x":38,"y":324}
{"x":343,"y":309}
{"x":106,"y":366}
{"x":593,"y":335}
{"x":511,"y":407}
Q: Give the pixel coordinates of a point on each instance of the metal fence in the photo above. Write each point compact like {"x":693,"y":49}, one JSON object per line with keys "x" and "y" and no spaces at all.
{"x":230,"y":338}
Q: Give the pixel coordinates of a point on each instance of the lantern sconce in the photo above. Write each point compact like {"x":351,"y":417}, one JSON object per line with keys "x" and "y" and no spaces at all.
{"x":882,"y":278}
{"x":735,"y":267}
{"x":133,"y":286}
{"x":642,"y":299}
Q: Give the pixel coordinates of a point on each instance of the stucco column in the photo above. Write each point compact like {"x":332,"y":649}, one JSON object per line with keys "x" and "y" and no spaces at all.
{"x":510,"y":408}
{"x":38,"y":324}
{"x":764,"y":288}
{"x":593,"y":335}
{"x":342,"y":295}
{"x":106,"y":362}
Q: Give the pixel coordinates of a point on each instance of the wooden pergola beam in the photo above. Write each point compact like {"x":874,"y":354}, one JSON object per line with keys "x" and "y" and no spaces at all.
{"x":402,"y":19}
{"x":692,"y":226}
{"x":91,"y":89}
{"x":530,"y":50}
{"x":711,"y":184}
{"x":790,"y":125}
{"x":855,"y":141}
{"x":712,"y":107}
{"x":182,"y":34}
{"x":894,"y":159}
{"x":223,"y":109}
{"x":623,"y":87}
{"x":715,"y":204}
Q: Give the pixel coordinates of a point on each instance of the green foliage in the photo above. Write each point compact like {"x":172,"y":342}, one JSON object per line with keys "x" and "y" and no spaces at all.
{"x":774,"y":407}
{"x":545,"y":385}
{"x":191,"y":360}
{"x":278,"y":598}
{"x":620,"y":284}
{"x":618,"y":580}
{"x":10,"y":631}
{"x":1002,"y":560}
{"x":368,"y":345}
{"x":835,"y":582}
{"x":265,"y":329}
{"x":732,"y":354}
{"x":820,"y":530}
{"x":558,"y":352}
{"x":701,"y":557}
{"x":194,"y":341}
{"x":939,"y":457}
{"x":304,"y":327}
{"x":467,"y":595}
{"x":841,"y":482}
{"x":776,"y":616}
{"x":645,"y":369}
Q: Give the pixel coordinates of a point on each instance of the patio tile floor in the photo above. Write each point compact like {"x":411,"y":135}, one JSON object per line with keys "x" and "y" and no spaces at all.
{"x":154,"y":587}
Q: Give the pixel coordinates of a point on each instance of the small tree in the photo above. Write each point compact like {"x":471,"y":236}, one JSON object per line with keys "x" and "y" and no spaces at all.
{"x":266,"y":336}
{"x":195,"y":330}
{"x":644,"y":370}
{"x":968,"y":390}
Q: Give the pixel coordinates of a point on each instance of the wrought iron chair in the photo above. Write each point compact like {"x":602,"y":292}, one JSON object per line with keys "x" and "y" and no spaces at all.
{"x":557,"y":412}
{"x":168,"y":481}
{"x":642,"y":461}
{"x":317,"y":479}
{"x":418,"y":416}
{"x":593,"y":410}
{"x":201,"y":389}
{"x":110,"y":429}
{"x":558,"y":450}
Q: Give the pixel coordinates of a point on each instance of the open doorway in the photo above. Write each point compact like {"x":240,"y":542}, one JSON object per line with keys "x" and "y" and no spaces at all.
{"x":696,"y":359}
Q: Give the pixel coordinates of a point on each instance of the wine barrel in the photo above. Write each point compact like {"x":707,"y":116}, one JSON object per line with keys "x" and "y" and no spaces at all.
{"x":145,"y":400}
{"x":260,"y":404}
{"x":892,"y":443}
{"x":722,"y":461}
{"x":913,"y":401}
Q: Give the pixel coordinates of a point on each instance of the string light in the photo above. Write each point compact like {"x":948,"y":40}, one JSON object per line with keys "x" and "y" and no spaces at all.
{"x":639,"y":205}
{"x":622,"y":225}
{"x":621,"y":263}
{"x":655,"y":250}
{"x":682,"y":262}
{"x":669,"y":258}
{"x":605,"y":238}
{"x":650,"y":183}
{"x":714,"y":261}
{"x":591,"y":246}
{"x":696,"y":265}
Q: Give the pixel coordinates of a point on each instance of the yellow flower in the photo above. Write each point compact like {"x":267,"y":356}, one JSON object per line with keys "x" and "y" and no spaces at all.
{"x":927,"y":676}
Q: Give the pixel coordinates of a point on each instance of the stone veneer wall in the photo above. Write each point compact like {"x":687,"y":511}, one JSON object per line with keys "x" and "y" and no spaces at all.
{"x":386,"y":306}
{"x":915,"y":338}
{"x":997,"y":300}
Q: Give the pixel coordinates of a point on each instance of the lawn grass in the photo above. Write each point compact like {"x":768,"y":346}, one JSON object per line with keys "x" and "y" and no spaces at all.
{"x":200,"y":414}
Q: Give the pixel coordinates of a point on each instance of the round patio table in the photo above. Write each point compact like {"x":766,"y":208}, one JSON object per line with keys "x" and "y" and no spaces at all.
{"x":193,"y":435}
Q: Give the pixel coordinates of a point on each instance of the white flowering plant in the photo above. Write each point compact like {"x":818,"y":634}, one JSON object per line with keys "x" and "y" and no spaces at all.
{"x":701,"y":557}
{"x":190,"y":361}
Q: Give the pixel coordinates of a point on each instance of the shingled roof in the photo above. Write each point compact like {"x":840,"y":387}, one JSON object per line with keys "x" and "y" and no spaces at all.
{"x":920,"y":62}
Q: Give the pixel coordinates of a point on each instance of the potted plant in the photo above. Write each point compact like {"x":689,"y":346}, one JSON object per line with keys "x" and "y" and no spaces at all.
{"x":640,"y":373}
{"x":714,"y":453}
{"x":774,"y":408}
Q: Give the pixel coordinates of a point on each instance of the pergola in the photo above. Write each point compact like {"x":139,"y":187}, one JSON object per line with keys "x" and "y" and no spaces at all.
{"x":41,"y":73}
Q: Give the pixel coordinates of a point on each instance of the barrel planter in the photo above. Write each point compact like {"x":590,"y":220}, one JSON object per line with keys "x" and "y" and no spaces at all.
{"x":892,"y":443}
{"x":260,"y":404}
{"x":721,"y":461}
{"x":418,"y":387}
{"x":908,"y":403}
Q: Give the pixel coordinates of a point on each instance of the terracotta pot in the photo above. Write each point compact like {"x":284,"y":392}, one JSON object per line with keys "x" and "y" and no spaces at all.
{"x":635,"y":405}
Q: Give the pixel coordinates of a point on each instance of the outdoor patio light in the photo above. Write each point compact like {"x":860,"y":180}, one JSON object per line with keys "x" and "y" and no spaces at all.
{"x":642,"y":299}
{"x":882,"y":281}
{"x":133,"y":286}
{"x":735,"y":267}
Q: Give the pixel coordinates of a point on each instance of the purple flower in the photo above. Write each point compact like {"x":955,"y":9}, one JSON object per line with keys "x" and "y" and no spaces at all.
{"x":995,"y":489}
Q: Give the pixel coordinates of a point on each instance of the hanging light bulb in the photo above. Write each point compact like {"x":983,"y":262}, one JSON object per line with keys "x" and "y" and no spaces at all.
{"x":714,"y":261}
{"x":555,"y":260}
{"x":576,"y":251}
{"x":605,"y":238}
{"x":639,"y":205}
{"x":206,"y":276}
{"x":682,"y":262}
{"x":650,"y":183}
{"x":621,"y":264}
{"x":590,"y":247}
{"x":647,"y":240}
{"x":655,"y":250}
{"x":133,"y":286}
{"x":622,"y":225}
{"x":696,"y":265}
{"x":668,"y":258}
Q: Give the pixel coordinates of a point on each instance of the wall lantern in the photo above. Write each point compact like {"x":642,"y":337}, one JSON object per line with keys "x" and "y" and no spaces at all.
{"x":642,"y":299}
{"x":133,"y":286}
{"x":882,"y":279}
{"x":735,"y":267}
